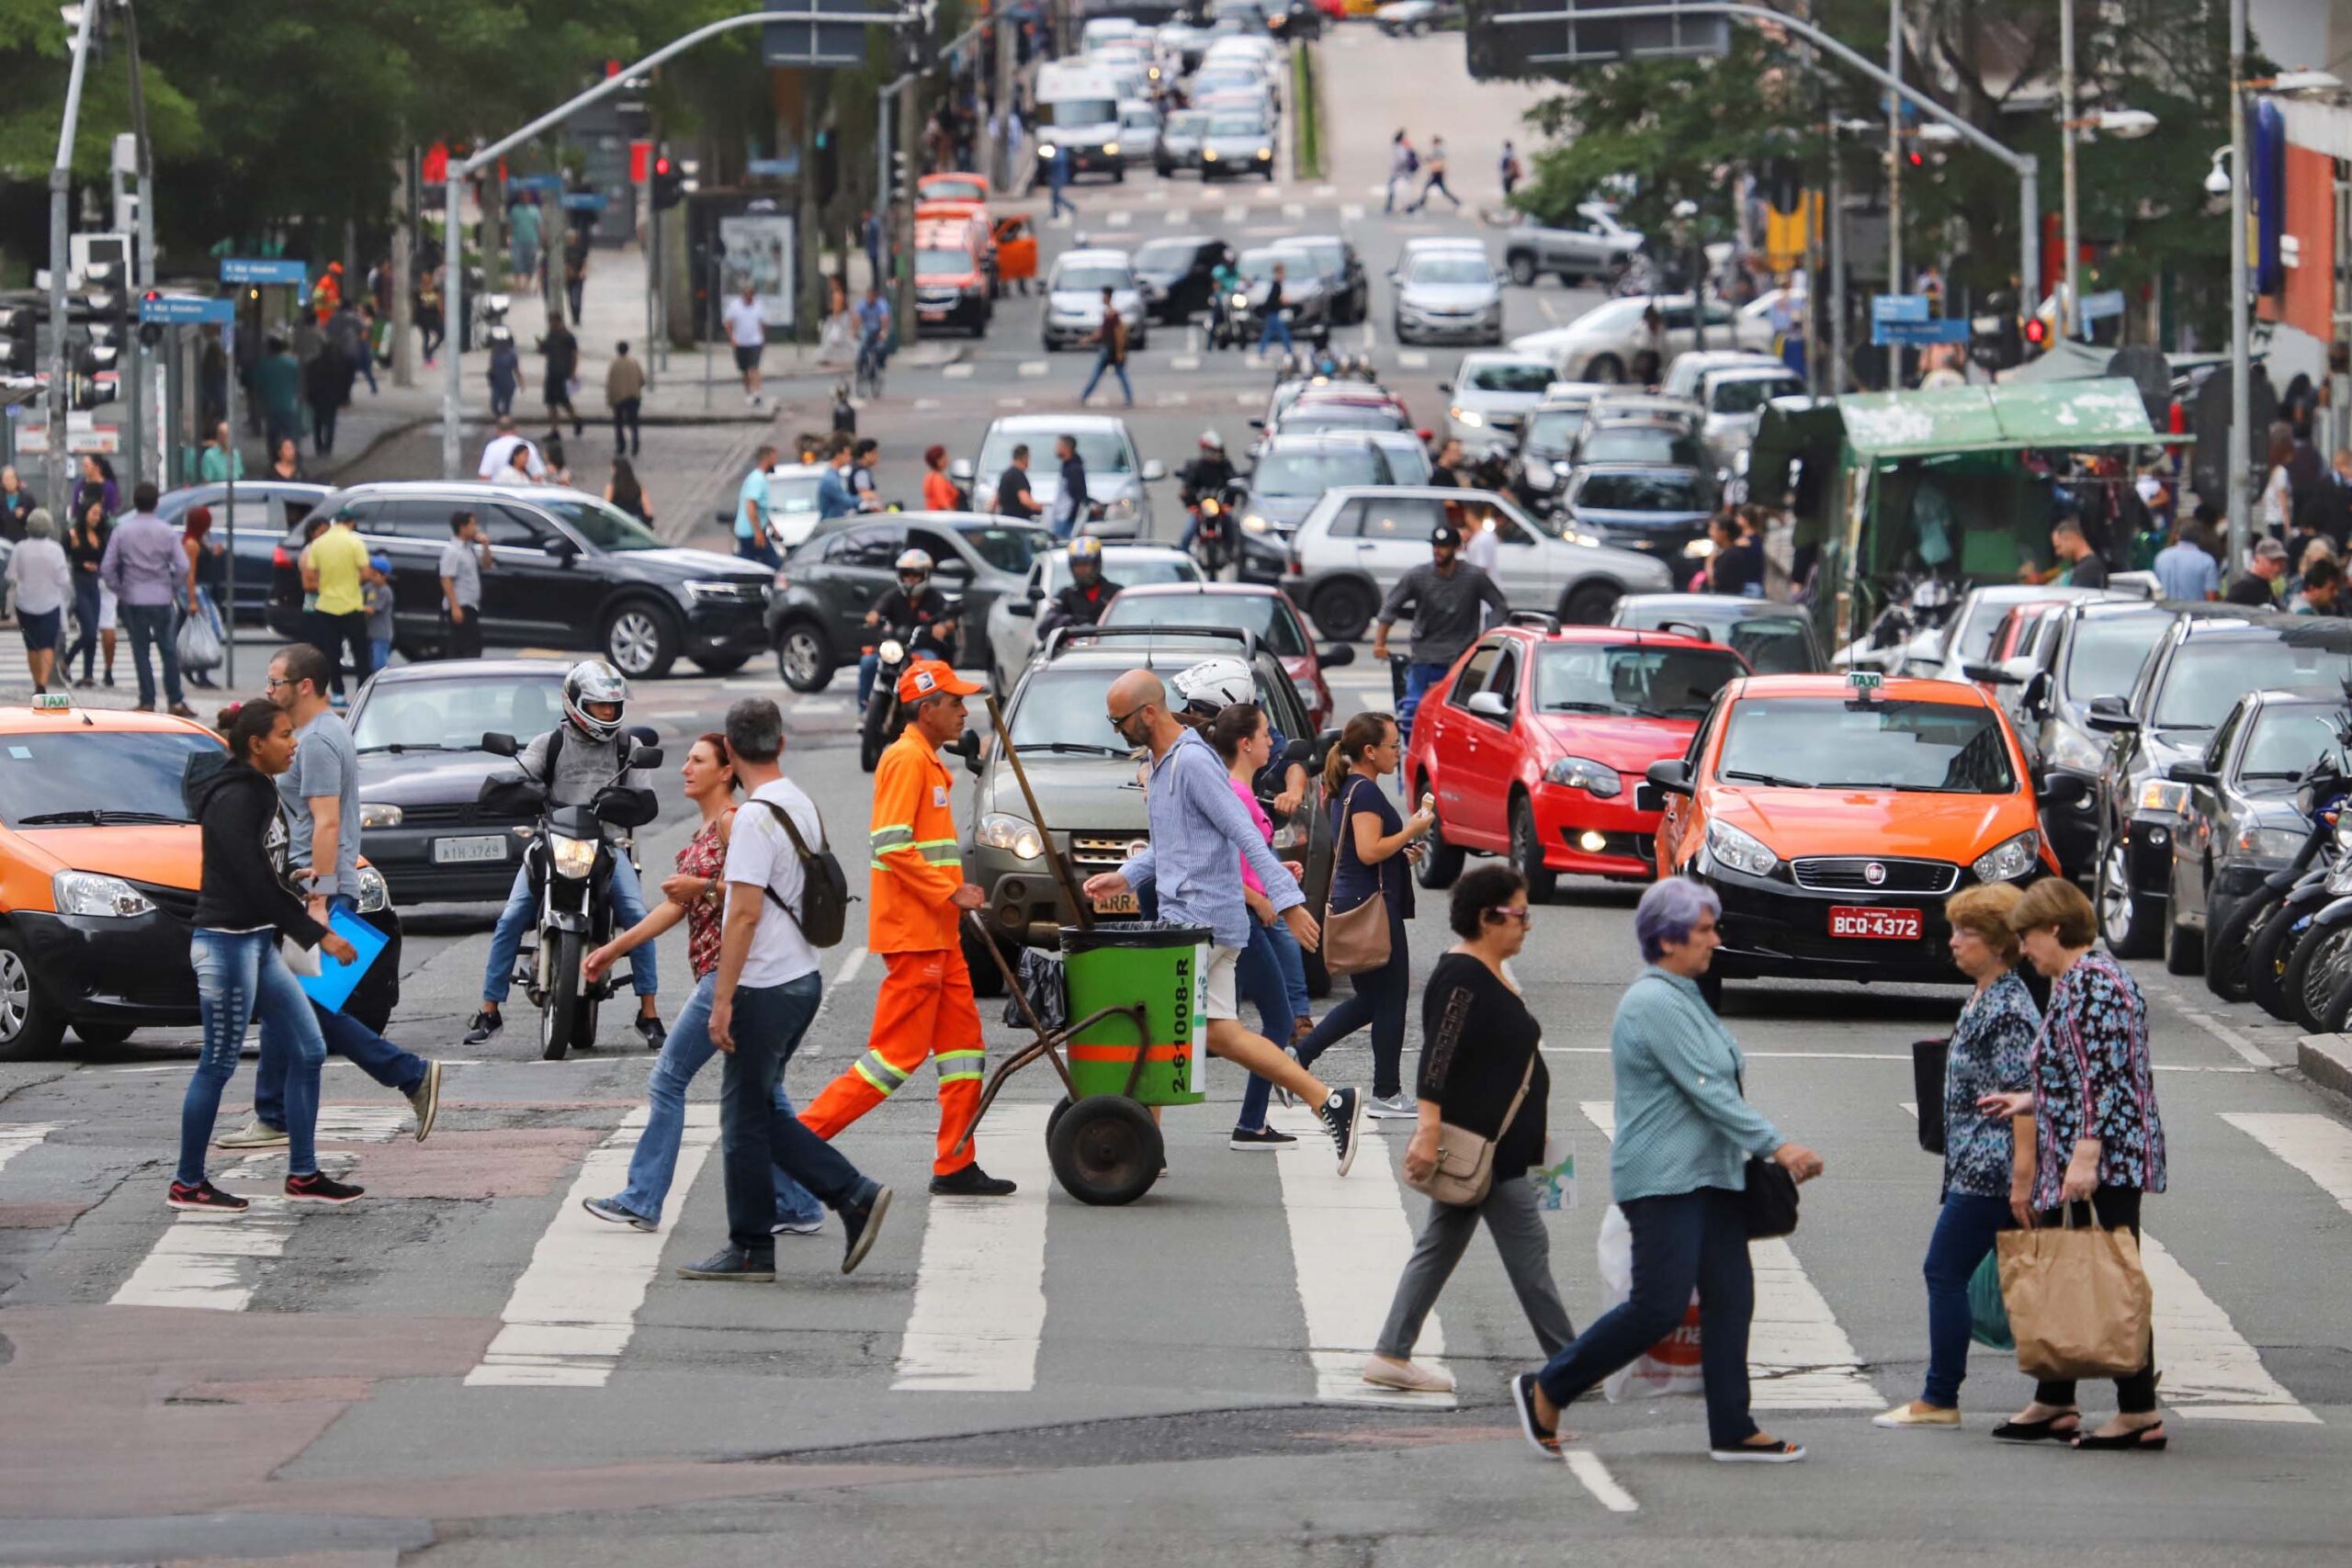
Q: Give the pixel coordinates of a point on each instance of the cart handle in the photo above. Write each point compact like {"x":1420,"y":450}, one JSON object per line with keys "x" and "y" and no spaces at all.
{"x":1083,"y":910}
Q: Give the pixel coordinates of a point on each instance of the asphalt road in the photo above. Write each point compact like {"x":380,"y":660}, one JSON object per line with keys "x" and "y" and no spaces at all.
{"x":465,"y":1369}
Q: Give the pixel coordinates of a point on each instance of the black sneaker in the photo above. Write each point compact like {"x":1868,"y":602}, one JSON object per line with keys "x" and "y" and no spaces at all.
{"x":728,"y":1263}
{"x":972,"y":1182}
{"x":320,"y":1188}
{"x":654,"y":1033}
{"x":1544,"y":1440}
{"x":427,"y":1100}
{"x":206,"y":1197}
{"x":860,"y":1226}
{"x":1263,"y":1138}
{"x":1342,"y":1117}
{"x":485,"y":1024}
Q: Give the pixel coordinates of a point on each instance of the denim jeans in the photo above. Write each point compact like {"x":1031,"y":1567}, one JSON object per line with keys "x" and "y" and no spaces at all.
{"x":656,"y":1159}
{"x":867,"y":663}
{"x":1275,"y":327}
{"x":150,"y":626}
{"x":507,"y":939}
{"x":1102,"y":361}
{"x":1419,"y":678}
{"x":629,"y":436}
{"x":757,"y":1139}
{"x":758,"y":550}
{"x":401,"y":1071}
{"x":1963,"y":1239}
{"x":237,"y":974}
{"x":1681,"y":1241}
{"x":1259,"y":977}
{"x":379,"y":652}
{"x":1293,"y":960}
{"x":1378,"y":998}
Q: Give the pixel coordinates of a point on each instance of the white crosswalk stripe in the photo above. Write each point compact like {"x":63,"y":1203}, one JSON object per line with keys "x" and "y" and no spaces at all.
{"x":978,"y":1312}
{"x":15,"y":1138}
{"x":2319,"y":1146}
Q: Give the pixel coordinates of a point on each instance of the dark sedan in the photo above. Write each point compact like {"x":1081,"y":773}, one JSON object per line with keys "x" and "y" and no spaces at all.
{"x":1337,"y":268}
{"x":419,"y":730}
{"x":268,"y":510}
{"x":2243,"y":821}
{"x":1176,"y":276}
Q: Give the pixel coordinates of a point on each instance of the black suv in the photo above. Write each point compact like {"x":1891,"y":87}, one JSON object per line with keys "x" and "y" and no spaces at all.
{"x":1175,"y":274}
{"x":572,"y":572}
{"x":2205,"y":661}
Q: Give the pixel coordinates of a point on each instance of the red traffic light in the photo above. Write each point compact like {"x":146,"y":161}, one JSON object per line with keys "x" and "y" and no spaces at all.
{"x":1919,"y":159}
{"x":2037,"y":331}
{"x":661,"y":168}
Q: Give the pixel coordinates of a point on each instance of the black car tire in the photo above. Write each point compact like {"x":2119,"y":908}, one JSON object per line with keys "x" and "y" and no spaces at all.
{"x":102,"y":1033}
{"x":2226,"y":949}
{"x":1523,"y":268}
{"x":30,"y":1023}
{"x":1343,"y":609}
{"x":1527,"y":852}
{"x":1589,"y":604}
{"x":1441,"y":862}
{"x":721,"y":664}
{"x":803,"y":659}
{"x":640,"y":638}
{"x":2129,"y":919}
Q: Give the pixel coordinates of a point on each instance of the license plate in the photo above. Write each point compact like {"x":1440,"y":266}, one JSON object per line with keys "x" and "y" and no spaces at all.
{"x":1118,"y":904}
{"x":1898,"y":925}
{"x":461,"y":851}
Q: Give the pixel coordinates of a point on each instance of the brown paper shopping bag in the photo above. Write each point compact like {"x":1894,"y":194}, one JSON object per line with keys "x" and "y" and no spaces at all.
{"x":2078,"y":1300}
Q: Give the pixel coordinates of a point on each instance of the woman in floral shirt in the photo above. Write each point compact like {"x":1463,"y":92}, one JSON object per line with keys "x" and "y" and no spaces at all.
{"x":1988,"y":1056}
{"x":2091,"y":1124}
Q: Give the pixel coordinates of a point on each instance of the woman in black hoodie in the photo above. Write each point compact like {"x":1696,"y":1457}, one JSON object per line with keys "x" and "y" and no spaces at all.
{"x":241,"y":908}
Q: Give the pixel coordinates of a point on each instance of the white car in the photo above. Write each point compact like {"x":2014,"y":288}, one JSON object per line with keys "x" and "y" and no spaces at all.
{"x":1139,"y":132}
{"x":1116,"y":477}
{"x":1448,"y":293}
{"x":1603,"y":343}
{"x":1013,"y":619}
{"x":1491,"y":396}
{"x":1074,"y":299}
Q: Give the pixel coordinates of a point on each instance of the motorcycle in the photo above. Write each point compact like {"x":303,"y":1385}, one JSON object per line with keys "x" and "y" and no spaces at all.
{"x":2230,"y":961}
{"x":1232,"y":323}
{"x":570,"y":863}
{"x":896,"y":649}
{"x":1215,"y":518}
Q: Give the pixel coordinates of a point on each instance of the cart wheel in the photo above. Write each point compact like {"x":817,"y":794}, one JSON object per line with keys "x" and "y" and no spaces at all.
{"x":1106,"y":1150}
{"x":1054,"y":1118}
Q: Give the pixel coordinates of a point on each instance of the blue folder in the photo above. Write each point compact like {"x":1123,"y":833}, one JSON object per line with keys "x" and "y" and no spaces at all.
{"x":331,"y":987}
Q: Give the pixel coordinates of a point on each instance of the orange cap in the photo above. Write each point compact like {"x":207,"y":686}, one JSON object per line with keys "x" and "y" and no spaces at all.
{"x":929,"y":678}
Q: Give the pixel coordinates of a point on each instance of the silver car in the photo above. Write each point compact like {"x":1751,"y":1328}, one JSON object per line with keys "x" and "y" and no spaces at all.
{"x":1603,"y":343}
{"x":1139,"y":132}
{"x":1735,"y":397}
{"x":1595,"y":246}
{"x":1074,"y":298}
{"x":1239,"y":140}
{"x":1358,"y":542}
{"x":1013,"y":619}
{"x":1448,"y":294}
{"x":1492,"y":396}
{"x":1116,"y":477}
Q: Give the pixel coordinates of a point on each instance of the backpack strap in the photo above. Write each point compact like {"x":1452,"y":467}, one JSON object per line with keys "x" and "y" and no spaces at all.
{"x":799,"y":847}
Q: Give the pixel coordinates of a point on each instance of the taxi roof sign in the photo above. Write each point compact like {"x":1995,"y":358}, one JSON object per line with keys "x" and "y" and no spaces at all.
{"x":1865,"y":684}
{"x":53,"y":702}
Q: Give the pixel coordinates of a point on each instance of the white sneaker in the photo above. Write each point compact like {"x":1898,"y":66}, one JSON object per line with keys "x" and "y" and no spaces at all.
{"x":1386,"y":1371}
{"x":797,"y":1227}
{"x":1395,"y":1107}
{"x":254,"y":1134}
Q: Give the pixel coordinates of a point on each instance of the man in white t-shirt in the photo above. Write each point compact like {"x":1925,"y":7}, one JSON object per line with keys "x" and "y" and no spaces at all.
{"x":498,"y":457}
{"x":748,"y":331}
{"x":764,"y":994}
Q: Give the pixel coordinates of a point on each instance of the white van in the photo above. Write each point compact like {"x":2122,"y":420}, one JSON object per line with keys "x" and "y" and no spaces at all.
{"x":1078,"y":113}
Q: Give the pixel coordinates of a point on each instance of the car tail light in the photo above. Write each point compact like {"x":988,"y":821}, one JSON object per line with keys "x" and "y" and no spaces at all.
{"x":1297,"y":567}
{"x":280,"y":557}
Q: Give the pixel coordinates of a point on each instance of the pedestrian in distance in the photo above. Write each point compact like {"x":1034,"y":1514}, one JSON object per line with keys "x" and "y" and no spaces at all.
{"x":2091,"y":1129}
{"x":1735,"y":567}
{"x":277,"y":391}
{"x":560,"y":352}
{"x":85,"y":550}
{"x":332,"y":567}
{"x":520,"y":473}
{"x":1483,"y":1074}
{"x":525,"y":229}
{"x":752,"y":524}
{"x":1109,"y":352}
{"x":764,"y":993}
{"x":348,"y":334}
{"x":143,"y":568}
{"x":1197,"y":828}
{"x":835,"y":497}
{"x":626,"y":490}
{"x":375,"y":602}
{"x":697,"y":893}
{"x":747,"y":332}
{"x":865,"y":471}
{"x":625,"y":395}
{"x":1271,"y":323}
{"x":243,"y":907}
{"x":1989,"y":1054}
{"x":286,"y":460}
{"x":430,"y":327}
{"x":1449,"y":599}
{"x":206,"y":588}
{"x":1244,"y":741}
{"x":2083,"y":566}
{"x":1402,"y":163}
{"x":2186,"y":568}
{"x":2322,"y":593}
{"x":498,"y":456}
{"x":505,"y":373}
{"x":1433,"y":178}
{"x":17,"y":503}
{"x":219,"y":457}
{"x":1058,"y":169}
{"x":2264,"y":576}
{"x":1073,"y":508}
{"x":1013,"y":497}
{"x":1374,"y":847}
{"x":40,"y":583}
{"x":940,"y":492}
{"x":463,"y":560}
{"x":1510,"y":169}
{"x":1677,"y":1169}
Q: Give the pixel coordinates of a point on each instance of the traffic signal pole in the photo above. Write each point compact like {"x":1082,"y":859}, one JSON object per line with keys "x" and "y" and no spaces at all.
{"x":61,"y":186}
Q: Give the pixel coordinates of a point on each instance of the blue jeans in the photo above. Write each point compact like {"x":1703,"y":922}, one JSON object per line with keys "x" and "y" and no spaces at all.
{"x":237,"y":974}
{"x":1102,"y":361}
{"x":1419,"y":678}
{"x":1258,"y":975}
{"x":1963,"y":1237}
{"x":1275,"y":327}
{"x":656,"y":1159}
{"x":1681,"y":1241}
{"x":1293,"y":963}
{"x":379,"y":652}
{"x":1379,"y":998}
{"x":150,"y":626}
{"x":758,"y":550}
{"x":758,"y":1139}
{"x":1062,"y":204}
{"x":401,"y":1071}
{"x":507,"y":941}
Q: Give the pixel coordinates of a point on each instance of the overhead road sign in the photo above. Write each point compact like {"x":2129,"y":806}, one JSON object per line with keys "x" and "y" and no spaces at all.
{"x":834,"y":33}
{"x":170,"y":307}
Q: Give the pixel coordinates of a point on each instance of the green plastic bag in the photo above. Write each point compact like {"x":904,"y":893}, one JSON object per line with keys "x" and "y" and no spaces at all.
{"x":1988,"y":1313}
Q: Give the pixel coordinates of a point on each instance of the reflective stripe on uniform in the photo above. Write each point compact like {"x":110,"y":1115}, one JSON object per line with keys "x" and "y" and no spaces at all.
{"x":876,"y":1069}
{"x":941,"y":851}
{"x":954,"y":1064}
{"x":884,"y":840}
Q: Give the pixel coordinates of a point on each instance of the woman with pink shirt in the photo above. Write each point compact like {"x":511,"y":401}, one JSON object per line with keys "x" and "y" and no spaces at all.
{"x":1242,"y":737}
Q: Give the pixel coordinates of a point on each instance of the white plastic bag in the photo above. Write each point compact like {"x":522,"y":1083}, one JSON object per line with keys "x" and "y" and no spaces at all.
{"x":1670,"y":1366}
{"x":200,"y":644}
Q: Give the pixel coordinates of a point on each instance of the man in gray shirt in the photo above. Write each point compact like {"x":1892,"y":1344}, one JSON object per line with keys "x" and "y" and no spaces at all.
{"x":1448,"y":598}
{"x":463,"y":560}
{"x":144,"y":567}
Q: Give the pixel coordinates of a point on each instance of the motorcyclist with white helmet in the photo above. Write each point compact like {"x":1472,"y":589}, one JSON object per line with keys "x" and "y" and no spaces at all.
{"x":1205,"y":478}
{"x":913,"y":604}
{"x":579,"y":759}
{"x":1081,"y":601}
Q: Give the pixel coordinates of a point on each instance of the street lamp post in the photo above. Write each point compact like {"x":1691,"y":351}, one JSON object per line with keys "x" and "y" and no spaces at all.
{"x":2069,"y":308}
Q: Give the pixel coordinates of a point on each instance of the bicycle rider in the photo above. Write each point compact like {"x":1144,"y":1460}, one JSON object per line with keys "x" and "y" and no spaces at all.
{"x":873,"y":314}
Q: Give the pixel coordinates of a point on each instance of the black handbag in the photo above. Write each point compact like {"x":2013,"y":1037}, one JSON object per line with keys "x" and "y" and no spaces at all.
{"x":1929,"y":1060}
{"x":1769,"y":1202}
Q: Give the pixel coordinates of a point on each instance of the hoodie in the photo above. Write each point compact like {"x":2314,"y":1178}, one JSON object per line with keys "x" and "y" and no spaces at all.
{"x":246,"y":843}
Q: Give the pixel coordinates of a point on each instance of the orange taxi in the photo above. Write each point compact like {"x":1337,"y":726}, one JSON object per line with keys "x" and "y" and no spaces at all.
{"x":952,"y":282}
{"x":99,"y":867}
{"x":1833,"y":815}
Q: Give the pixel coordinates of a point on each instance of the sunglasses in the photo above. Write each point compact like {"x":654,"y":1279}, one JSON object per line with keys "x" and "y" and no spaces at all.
{"x":1119,"y":721}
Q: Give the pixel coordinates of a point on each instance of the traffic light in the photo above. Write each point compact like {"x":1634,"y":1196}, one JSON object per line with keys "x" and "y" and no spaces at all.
{"x":2037,"y":334}
{"x":19,"y":339}
{"x":902,"y":186}
{"x":1918,"y":160}
{"x":669,"y":182}
{"x":151,"y":332}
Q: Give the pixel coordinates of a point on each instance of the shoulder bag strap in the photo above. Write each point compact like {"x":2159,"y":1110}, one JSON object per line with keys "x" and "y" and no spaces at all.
{"x":1346,"y":844}
{"x":1526,"y":1080}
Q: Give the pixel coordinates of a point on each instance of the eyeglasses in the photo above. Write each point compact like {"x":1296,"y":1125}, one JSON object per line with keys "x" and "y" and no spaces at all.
{"x":274,"y":682}
{"x":1526,"y":918}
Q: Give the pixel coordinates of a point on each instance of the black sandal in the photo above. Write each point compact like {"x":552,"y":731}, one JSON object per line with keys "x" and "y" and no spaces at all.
{"x":2145,"y":1440}
{"x":2044,"y":1430}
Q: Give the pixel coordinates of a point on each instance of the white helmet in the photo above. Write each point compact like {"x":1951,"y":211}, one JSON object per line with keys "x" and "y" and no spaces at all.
{"x":1215,"y":683}
{"x":915,"y":561}
{"x":593,"y":681}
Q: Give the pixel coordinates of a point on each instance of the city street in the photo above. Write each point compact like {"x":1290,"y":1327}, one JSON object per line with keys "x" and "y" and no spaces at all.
{"x":464,"y":1367}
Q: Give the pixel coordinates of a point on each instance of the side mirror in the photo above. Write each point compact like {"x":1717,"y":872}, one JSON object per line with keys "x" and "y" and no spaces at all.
{"x":1337,"y":656}
{"x":960,"y":469}
{"x":1671,"y":774}
{"x":968,"y":746}
{"x":2191,"y":773}
{"x":2063,"y":790}
{"x":2108,"y":717}
{"x":499,"y":745}
{"x":1489,"y":704}
{"x":1445,"y":386}
{"x":645,"y":757}
{"x":1154,"y":470}
{"x":1991,"y":675}
{"x":1301,"y":751}
{"x":561,"y":549}
{"x":1324,"y":740}
{"x":1024,"y":608}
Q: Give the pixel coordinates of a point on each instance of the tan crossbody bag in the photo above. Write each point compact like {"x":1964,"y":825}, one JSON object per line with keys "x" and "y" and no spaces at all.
{"x":1464,"y":1172}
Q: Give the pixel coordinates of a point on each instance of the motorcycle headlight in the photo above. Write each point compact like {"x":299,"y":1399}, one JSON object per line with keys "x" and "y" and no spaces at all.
{"x":1740,"y":850}
{"x":574,"y":857}
{"x":1016,"y":837}
{"x":1209,"y":507}
{"x":1593,"y":778}
{"x":2010,"y":858}
{"x":378,"y":816}
{"x":375,"y":893}
{"x":1047,"y":150}
{"x":106,"y":898}
{"x":1253,"y":524}
{"x":2162,"y":794}
{"x":2268,"y":843}
{"x":2343,"y":831}
{"x":891,"y":650}
{"x":1698,"y":550}
{"x":1470,"y":417}
{"x":1241,"y":301}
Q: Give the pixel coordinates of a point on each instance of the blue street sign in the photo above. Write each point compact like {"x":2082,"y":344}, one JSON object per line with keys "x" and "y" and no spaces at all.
{"x":775,"y":168}
{"x":1943,"y":329}
{"x":1898,"y":307}
{"x":535,"y":182}
{"x":187,"y":308}
{"x":583,"y":201}
{"x":255,"y":270}
{"x":2109,"y":303}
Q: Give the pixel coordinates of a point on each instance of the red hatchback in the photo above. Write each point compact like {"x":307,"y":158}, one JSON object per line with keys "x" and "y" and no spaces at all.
{"x":1264,"y":611}
{"x":1538,"y":740}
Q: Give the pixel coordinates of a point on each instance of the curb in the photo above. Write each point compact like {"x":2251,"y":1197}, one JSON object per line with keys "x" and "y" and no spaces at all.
{"x":2327,"y":1060}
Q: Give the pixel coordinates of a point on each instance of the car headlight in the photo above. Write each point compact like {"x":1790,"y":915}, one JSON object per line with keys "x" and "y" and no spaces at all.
{"x":2268,"y":843}
{"x":783,"y":582}
{"x":1253,"y":524}
{"x":1740,"y":850}
{"x":574,"y":857}
{"x":714,"y":590}
{"x":378,"y":816}
{"x":2010,"y":858}
{"x":1584,"y":773}
{"x":1109,"y":148}
{"x":1047,"y":150}
{"x":107,"y":898}
{"x":1470,"y":417}
{"x":890,"y":650}
{"x":1208,"y":154}
{"x":1582,"y":537}
{"x":1699,"y":550}
{"x":1016,"y":837}
{"x":375,"y":894}
{"x":1265,"y":154}
{"x":1120,"y":511}
{"x":2162,"y":794}
{"x":2070,"y":748}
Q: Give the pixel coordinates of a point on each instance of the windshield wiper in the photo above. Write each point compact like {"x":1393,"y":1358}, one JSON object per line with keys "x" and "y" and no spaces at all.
{"x":397,"y":746}
{"x":1073,"y":748}
{"x":1773,"y":780}
{"x":1571,"y":706}
{"x":93,"y":816}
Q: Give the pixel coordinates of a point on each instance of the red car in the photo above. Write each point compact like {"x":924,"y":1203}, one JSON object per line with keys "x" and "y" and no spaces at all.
{"x":1257,"y":608}
{"x":1538,"y":740}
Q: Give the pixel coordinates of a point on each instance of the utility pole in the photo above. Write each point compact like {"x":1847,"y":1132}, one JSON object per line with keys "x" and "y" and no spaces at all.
{"x":1895,"y":178}
{"x":2241,"y":371}
{"x":153,"y":464}
{"x":2070,"y":308}
{"x":902,"y":215}
{"x":61,"y":186}
{"x":1837,"y":221}
{"x":404,"y":274}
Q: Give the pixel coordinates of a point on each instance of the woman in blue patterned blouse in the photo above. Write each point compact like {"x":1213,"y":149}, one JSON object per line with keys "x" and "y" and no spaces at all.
{"x":2087,"y":1130}
{"x":1989,"y":1048}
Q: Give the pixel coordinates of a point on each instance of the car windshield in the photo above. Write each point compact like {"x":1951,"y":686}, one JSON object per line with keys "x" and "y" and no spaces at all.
{"x":1327,"y":261}
{"x":1008,"y":549}
{"x":1551,"y":431}
{"x":1186,"y":122}
{"x":794,"y":493}
{"x":2205,"y":678}
{"x":1773,"y":645}
{"x":943,"y":261}
{"x":454,"y":713}
{"x":1750,"y":393}
{"x":1456,"y":267}
{"x":2107,"y":653}
{"x":1139,"y":118}
{"x":954,"y":190}
{"x":1640,"y":443}
{"x":1295,"y":474}
{"x":1127,"y":571}
{"x":1237,"y":125}
{"x":1262,"y":613}
{"x":1081,"y":111}
{"x":1834,"y":743}
{"x":1166,"y":256}
{"x":1069,"y":707}
{"x":1102,"y":452}
{"x":1641,"y":492}
{"x":1316,"y":417}
{"x":1091,"y":278}
{"x":1259,"y":265}
{"x":604,"y":526}
{"x":83,"y":777}
{"x":1408,"y":461}
{"x":2286,"y":740}
{"x":1531,"y":378}
{"x":1654,"y":683}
